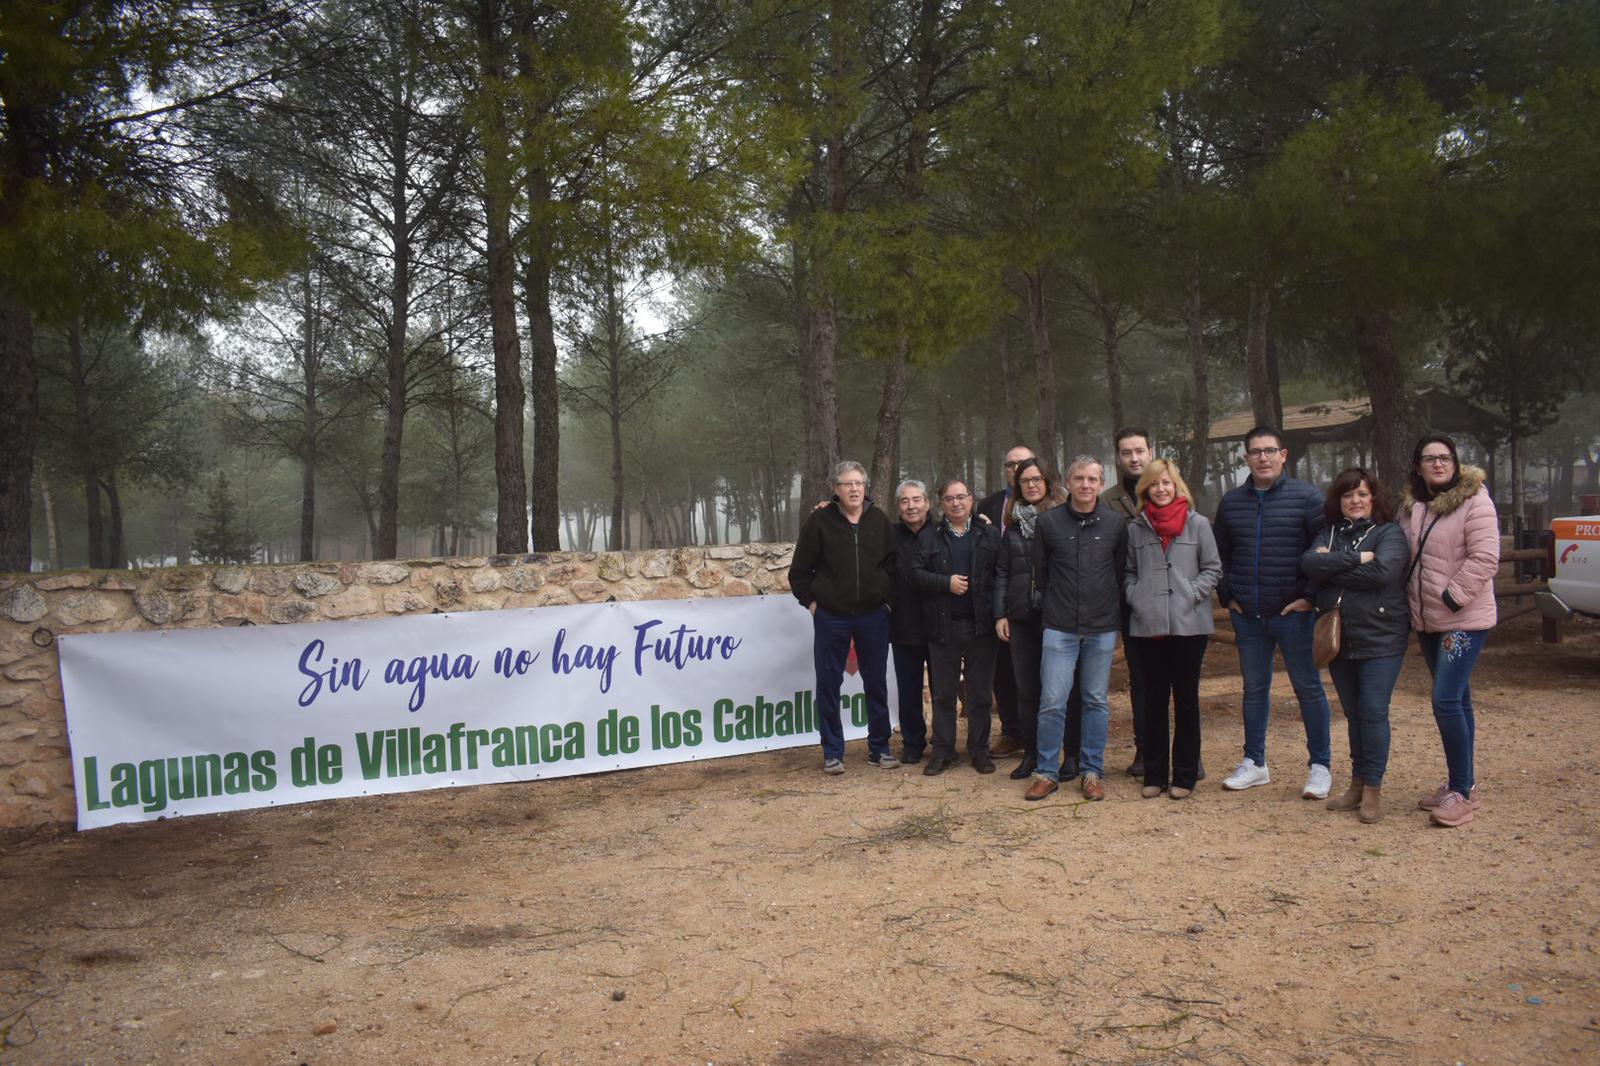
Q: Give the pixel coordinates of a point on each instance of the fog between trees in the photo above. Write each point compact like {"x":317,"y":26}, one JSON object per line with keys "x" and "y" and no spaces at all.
{"x":313,"y":280}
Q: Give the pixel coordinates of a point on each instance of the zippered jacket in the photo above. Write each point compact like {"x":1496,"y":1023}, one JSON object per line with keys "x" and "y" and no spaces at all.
{"x":905,"y":624}
{"x":844,"y":567}
{"x":932,"y":577}
{"x":1083,"y":566}
{"x":1019,"y":575}
{"x":1452,"y":585}
{"x":1261,"y":540}
{"x":1371,"y":597}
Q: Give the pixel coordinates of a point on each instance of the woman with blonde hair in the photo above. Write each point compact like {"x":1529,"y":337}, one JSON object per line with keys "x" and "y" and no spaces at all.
{"x":1173,"y":568}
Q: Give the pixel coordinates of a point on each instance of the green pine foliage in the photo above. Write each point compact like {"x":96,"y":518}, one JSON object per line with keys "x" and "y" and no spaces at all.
{"x":220,"y":536}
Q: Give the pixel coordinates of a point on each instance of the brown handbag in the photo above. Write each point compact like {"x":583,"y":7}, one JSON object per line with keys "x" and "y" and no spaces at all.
{"x":1330,"y":625}
{"x":1325,"y":639}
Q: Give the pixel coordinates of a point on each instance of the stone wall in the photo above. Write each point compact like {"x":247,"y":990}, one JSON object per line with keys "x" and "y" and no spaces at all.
{"x":35,"y":763}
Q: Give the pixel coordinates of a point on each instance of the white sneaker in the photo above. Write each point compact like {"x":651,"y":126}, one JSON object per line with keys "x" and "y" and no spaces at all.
{"x":1248,"y":775}
{"x":1317,"y":783}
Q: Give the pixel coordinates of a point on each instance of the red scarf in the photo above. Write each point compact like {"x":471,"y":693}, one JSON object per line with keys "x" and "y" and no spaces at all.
{"x":1168,"y":521}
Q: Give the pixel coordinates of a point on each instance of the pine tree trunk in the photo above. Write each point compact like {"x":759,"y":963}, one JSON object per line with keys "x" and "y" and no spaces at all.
{"x":19,"y":428}
{"x":1111,"y":345}
{"x":1044,"y":366}
{"x":1013,"y":385}
{"x":1199,"y":394}
{"x":1264,"y":402}
{"x":544,"y":381}
{"x":116,"y":552}
{"x":886,"y":446}
{"x":312,"y":364}
{"x":88,"y":468}
{"x":511,"y":492}
{"x":387,"y":544}
{"x":1384,"y":377}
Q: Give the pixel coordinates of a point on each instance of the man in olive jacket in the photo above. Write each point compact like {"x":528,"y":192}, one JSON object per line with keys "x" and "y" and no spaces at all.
{"x":843,"y":571}
{"x":1085,"y":554}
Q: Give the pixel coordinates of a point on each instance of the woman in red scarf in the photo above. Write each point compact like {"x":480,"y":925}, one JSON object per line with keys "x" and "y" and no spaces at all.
{"x":1173,"y":567}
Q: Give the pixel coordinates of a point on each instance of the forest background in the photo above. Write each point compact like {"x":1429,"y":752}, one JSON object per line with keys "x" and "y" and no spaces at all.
{"x":284,"y":279}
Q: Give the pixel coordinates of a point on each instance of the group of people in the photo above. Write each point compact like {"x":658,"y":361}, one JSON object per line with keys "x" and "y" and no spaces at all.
{"x":1019,"y":599}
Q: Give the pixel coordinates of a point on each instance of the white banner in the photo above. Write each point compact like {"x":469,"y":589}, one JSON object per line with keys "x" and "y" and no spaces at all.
{"x":191,"y":721}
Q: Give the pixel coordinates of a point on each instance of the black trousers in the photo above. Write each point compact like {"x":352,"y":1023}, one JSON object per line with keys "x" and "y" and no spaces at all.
{"x":1026,"y":651}
{"x":1005,"y":698}
{"x":975,"y":652}
{"x":909,"y":661}
{"x":1170,"y":667}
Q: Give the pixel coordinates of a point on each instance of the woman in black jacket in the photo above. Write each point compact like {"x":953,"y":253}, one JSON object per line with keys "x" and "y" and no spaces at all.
{"x":1359,"y":569}
{"x":1018,"y":621}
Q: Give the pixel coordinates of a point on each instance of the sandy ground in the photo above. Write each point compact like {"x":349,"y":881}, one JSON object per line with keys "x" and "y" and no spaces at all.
{"x":751,"y":910}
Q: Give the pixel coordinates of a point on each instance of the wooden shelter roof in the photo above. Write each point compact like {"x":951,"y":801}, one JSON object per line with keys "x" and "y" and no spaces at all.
{"x":1350,"y":420}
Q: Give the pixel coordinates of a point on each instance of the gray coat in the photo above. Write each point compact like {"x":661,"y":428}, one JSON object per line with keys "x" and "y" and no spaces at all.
{"x":1169,"y":592}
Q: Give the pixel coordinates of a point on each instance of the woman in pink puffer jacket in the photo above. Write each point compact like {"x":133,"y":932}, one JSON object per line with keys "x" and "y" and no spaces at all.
{"x":1450,"y":520}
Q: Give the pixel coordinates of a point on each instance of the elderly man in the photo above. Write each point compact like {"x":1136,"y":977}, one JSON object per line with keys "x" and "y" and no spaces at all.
{"x":907,"y":640}
{"x":1005,"y":683}
{"x":1085,"y":553}
{"x":1262,"y":528}
{"x":955,"y":575}
{"x":843,"y":571}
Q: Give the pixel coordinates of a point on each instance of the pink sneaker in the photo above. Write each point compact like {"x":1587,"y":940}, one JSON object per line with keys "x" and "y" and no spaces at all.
{"x":1453,"y":810}
{"x":1429,"y":800}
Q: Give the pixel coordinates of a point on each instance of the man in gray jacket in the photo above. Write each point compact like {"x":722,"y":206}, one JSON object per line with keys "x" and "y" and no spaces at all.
{"x":1085,"y":548}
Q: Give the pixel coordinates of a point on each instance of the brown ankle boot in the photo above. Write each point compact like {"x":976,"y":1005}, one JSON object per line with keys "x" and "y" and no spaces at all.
{"x":1351,"y":798}
{"x":1371,"y":804}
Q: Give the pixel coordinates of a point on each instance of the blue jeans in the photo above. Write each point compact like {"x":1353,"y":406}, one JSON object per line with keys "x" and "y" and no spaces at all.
{"x":1061,"y":654}
{"x":1450,"y":658}
{"x":831,"y":634}
{"x":1257,"y":637}
{"x":1364,"y":687}
{"x":910,"y":661}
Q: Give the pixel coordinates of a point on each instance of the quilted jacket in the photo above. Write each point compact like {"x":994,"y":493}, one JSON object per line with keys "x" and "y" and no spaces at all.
{"x":1261,"y":540}
{"x":1452,"y":584}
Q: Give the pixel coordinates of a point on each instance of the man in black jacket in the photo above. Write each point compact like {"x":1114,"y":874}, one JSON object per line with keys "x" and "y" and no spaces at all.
{"x":907,"y":640}
{"x":955,"y":575}
{"x":1085,"y":554}
{"x":843,"y":571}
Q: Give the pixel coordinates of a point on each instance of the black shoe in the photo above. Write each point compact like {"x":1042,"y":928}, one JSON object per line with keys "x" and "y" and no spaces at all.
{"x":1025,"y":768}
{"x":1136,"y":768}
{"x":1069,"y":770}
{"x":1200,"y":774}
{"x":983,"y":764}
{"x":937,"y":765}
{"x":911,"y":756}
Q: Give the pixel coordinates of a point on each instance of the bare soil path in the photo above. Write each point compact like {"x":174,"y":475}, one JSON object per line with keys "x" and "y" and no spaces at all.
{"x":751,"y":910}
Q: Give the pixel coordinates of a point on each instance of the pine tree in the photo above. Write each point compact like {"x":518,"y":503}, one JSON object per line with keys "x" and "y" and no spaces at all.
{"x":221,"y":537}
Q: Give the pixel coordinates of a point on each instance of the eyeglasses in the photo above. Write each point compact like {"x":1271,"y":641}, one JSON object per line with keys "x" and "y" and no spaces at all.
{"x":851,"y":484}
{"x":1438,"y":460}
{"x":1032,"y":481}
{"x":1012,"y":464}
{"x":956,"y":497}
{"x":1263,"y":453}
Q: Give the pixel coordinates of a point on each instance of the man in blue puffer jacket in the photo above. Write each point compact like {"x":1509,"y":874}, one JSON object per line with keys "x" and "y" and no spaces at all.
{"x":1262,"y":528}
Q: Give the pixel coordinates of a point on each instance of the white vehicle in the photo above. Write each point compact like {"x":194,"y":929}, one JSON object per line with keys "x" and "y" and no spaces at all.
{"x":1574,"y":569}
